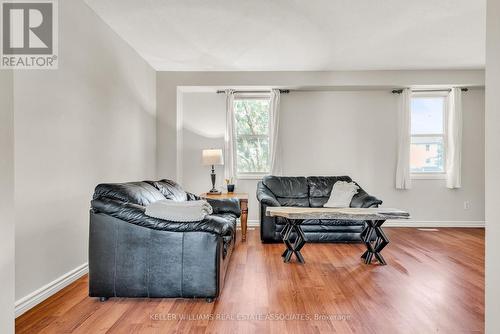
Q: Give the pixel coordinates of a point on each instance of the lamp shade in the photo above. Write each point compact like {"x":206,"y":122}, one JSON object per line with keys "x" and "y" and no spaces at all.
{"x":212,"y":157}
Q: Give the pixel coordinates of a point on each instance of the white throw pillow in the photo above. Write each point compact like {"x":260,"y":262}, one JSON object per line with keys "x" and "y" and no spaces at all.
{"x":183,"y":211}
{"x":341,"y":195}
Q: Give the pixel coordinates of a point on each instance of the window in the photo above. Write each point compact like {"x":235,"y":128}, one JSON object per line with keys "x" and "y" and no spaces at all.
{"x":252,"y":135}
{"x":428,"y":129}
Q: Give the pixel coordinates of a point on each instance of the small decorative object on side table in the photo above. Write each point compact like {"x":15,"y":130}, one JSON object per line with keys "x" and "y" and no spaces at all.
{"x":243,"y":198}
{"x":230,"y":185}
{"x":212,"y":157}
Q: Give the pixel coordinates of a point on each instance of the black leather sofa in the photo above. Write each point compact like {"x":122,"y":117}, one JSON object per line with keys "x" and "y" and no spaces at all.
{"x":312,"y":191}
{"x":134,"y":255}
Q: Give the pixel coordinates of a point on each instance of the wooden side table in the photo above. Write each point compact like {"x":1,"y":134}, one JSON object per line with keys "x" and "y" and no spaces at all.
{"x":243,"y":198}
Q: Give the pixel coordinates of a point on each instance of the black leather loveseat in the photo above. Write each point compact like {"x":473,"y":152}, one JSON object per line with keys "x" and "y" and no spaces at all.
{"x":312,"y":191}
{"x":134,"y":255}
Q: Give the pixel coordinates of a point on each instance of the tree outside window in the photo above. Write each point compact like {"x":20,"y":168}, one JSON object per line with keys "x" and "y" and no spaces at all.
{"x":252,"y":135}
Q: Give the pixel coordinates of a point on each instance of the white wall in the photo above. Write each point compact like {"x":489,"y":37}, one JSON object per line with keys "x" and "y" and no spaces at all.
{"x":355,"y":134}
{"x":203,"y":124}
{"x":492,"y":167}
{"x":169,"y":82}
{"x":345,"y":133}
{"x":6,"y":203}
{"x":92,"y":120}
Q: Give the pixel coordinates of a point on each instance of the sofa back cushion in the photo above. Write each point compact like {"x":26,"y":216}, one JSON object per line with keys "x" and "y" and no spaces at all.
{"x":289,"y":191}
{"x":140,"y":193}
{"x":320,"y":188}
{"x":170,"y":189}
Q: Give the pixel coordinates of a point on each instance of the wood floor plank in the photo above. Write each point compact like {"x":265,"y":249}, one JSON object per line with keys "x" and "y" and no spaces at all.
{"x":434,"y":282}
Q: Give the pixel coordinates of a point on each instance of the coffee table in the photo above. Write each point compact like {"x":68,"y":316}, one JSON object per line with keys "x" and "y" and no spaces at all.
{"x":374,"y":218}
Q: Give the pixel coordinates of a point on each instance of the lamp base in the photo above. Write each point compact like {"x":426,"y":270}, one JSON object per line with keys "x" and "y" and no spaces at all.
{"x":213,"y":191}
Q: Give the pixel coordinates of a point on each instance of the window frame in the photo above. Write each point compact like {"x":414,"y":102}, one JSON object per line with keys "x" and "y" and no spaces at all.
{"x":433,"y":175}
{"x":250,"y":175}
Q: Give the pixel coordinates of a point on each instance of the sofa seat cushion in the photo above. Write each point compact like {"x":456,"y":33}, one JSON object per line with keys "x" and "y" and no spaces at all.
{"x":287,"y":201}
{"x":318,"y":202}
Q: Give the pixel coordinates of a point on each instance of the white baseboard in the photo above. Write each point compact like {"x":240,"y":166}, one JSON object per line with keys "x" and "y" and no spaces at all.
{"x":36,"y":297}
{"x":414,"y":223}
{"x":454,"y":223}
{"x":250,"y":223}
{"x":253,"y":223}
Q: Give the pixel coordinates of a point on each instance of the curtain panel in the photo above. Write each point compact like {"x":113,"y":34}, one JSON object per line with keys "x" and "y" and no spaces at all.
{"x":275,"y":150}
{"x":454,"y":140}
{"x":229,"y":136}
{"x":403,"y":180}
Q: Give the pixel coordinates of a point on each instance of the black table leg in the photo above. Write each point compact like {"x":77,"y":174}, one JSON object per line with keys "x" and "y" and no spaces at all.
{"x":287,"y":254}
{"x":283,"y":233}
{"x":374,"y":249}
{"x":300,"y":241}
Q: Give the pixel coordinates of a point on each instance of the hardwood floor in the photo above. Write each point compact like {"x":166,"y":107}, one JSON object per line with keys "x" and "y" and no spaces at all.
{"x":433,"y":283}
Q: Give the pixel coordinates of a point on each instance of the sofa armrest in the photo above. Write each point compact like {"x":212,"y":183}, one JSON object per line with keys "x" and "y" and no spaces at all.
{"x":225,"y":205}
{"x":365,"y":201}
{"x":265,"y":196}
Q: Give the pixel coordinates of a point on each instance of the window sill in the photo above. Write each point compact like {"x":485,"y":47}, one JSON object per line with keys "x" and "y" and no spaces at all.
{"x":428,"y":176}
{"x":250,"y":176}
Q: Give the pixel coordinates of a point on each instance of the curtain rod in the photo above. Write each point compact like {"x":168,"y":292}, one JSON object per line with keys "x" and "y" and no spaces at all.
{"x":399,"y":91}
{"x":395,"y":91}
{"x":282,"y":91}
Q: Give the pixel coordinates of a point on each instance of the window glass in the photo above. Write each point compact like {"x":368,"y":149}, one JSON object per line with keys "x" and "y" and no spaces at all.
{"x":427,"y":150}
{"x":252,"y":135}
{"x":427,"y":155}
{"x":427,"y":115}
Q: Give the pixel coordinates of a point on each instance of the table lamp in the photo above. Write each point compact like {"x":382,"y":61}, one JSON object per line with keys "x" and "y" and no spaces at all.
{"x":212,"y":157}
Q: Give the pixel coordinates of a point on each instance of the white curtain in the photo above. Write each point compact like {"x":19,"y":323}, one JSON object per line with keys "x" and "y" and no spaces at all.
{"x":229,"y":149}
{"x":403,"y":180}
{"x":274,"y":141}
{"x":454,"y":140}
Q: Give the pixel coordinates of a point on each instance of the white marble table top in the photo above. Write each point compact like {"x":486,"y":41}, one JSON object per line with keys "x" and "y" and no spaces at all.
{"x":293,"y":212}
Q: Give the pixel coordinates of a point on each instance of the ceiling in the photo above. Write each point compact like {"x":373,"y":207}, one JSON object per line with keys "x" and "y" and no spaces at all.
{"x":239,"y":35}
